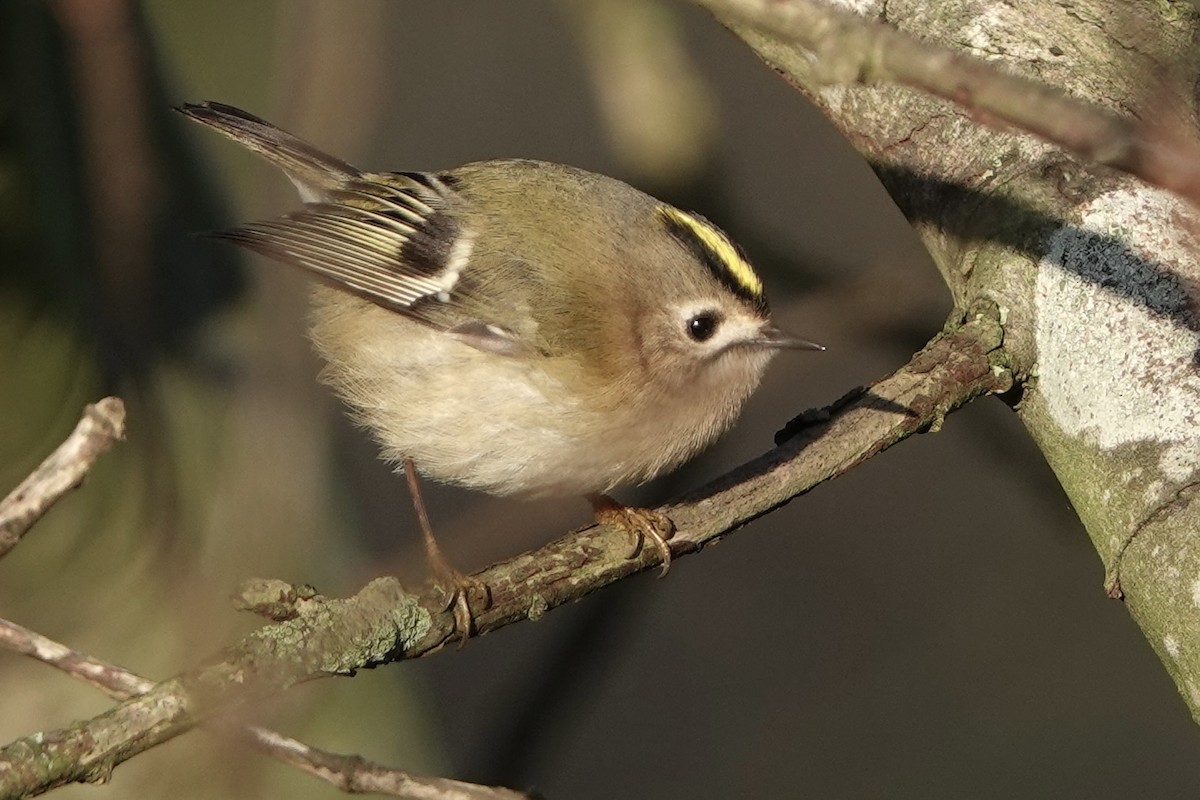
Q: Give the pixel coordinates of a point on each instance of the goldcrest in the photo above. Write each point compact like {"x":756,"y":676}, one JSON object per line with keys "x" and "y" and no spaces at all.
{"x":516,"y":326}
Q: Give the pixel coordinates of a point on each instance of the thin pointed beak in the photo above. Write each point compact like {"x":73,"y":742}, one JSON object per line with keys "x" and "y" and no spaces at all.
{"x":772,"y":337}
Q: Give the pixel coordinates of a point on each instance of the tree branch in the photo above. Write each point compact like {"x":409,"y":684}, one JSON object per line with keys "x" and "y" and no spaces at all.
{"x":355,"y":775}
{"x":848,"y":48}
{"x":102,"y":424}
{"x":351,"y":774}
{"x":1097,"y":272}
{"x":383,"y":623}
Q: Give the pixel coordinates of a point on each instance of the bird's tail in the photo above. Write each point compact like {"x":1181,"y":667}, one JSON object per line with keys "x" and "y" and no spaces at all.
{"x":314,"y":172}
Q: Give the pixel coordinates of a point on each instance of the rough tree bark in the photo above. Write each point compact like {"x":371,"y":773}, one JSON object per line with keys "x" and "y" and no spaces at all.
{"x":1096,"y":272}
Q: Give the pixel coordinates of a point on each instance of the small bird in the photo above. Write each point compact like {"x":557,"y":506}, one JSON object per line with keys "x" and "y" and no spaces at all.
{"x":516,"y":326}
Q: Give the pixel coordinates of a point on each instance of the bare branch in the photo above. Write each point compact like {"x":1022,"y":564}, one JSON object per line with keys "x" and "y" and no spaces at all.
{"x":108,"y":678}
{"x":383,"y":623}
{"x":102,"y":424}
{"x":351,"y":774}
{"x":848,"y":48}
{"x":354,"y":775}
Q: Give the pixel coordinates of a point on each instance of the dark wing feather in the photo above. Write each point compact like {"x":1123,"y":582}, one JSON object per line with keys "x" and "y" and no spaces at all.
{"x":395,"y":239}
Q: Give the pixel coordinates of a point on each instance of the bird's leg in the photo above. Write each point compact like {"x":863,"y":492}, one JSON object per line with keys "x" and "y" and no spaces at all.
{"x":456,"y":584}
{"x":640,"y":523}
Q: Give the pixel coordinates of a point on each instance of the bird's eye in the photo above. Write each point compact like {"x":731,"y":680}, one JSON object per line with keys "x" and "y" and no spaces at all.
{"x":702,"y":326}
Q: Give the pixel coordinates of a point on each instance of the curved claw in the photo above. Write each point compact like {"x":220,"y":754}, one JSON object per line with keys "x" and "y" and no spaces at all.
{"x":641,"y":523}
{"x":660,"y":544}
{"x":457,"y":588}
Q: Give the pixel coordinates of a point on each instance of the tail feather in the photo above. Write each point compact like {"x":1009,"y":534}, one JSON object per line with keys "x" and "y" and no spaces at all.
{"x":314,"y":172}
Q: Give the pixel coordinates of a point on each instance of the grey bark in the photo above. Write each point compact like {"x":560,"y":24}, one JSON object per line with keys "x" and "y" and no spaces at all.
{"x":1096,"y":272}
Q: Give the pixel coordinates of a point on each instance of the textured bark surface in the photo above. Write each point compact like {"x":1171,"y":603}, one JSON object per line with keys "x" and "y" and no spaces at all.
{"x":1096,"y":273}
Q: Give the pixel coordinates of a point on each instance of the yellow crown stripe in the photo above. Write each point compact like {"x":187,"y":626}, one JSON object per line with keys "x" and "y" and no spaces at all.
{"x":738,"y":268}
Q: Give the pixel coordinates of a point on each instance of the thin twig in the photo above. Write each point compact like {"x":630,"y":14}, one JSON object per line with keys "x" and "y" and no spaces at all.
{"x":384,"y":623}
{"x":114,"y":681}
{"x":102,"y":424}
{"x":354,"y":775}
{"x":848,"y":48}
{"x":351,"y":774}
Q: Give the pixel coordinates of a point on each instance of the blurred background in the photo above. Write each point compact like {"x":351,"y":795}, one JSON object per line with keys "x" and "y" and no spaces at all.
{"x":933,"y":625}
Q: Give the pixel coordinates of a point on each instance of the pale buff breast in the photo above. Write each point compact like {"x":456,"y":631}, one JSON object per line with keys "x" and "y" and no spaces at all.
{"x":498,"y":423}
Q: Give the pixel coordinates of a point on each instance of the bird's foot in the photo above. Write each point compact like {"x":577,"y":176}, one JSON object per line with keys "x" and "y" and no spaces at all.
{"x":457,"y":590}
{"x":643,"y":524}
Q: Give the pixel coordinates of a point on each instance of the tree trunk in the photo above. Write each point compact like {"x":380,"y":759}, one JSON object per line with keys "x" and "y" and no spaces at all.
{"x":1095,"y":273}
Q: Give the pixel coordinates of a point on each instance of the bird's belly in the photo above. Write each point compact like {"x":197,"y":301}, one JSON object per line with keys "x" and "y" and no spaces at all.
{"x":491,"y":422}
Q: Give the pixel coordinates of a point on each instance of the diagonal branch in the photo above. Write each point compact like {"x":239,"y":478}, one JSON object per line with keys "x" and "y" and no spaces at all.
{"x":383,"y":623}
{"x":102,"y":424}
{"x":351,"y":774}
{"x":847,"y":48}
